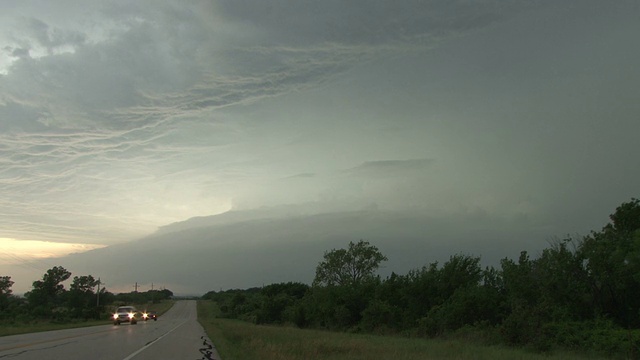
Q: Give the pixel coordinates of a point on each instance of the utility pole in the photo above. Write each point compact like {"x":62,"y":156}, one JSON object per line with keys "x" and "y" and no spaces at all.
{"x":98,"y":294}
{"x":136,"y":287}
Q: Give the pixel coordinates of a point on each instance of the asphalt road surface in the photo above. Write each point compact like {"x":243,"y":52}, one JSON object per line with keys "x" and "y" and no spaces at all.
{"x":175,"y":335}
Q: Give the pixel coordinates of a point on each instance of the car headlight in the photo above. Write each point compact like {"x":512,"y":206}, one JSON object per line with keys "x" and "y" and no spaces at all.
{"x":115,"y":316}
{"x":145,"y":315}
{"x":130,"y":315}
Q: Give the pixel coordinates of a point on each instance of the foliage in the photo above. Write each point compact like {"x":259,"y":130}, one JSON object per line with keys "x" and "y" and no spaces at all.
{"x":338,"y":307}
{"x":48,"y":299}
{"x":349,"y":266}
{"x":236,"y":303}
{"x":137,"y":297}
{"x":612,"y":263}
{"x":5,"y":285}
{"x":81,"y":296}
{"x":24,"y":323}
{"x":240,"y":340}
{"x":5,"y":292}
{"x":578,"y":294}
{"x":279,"y":303}
{"x":47,"y":293}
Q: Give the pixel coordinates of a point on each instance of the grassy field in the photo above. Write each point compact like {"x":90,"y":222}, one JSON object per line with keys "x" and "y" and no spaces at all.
{"x":16,"y":327}
{"x":237,"y":340}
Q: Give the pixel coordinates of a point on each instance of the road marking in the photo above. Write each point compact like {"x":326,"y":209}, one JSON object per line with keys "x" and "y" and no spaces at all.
{"x":153,"y":342}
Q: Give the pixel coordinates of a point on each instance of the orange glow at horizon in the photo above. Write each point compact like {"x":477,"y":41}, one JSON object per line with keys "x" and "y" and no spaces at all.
{"x":19,"y":251}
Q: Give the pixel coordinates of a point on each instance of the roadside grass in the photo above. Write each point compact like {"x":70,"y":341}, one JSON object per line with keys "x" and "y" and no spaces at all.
{"x":24,"y":325}
{"x":237,"y":340}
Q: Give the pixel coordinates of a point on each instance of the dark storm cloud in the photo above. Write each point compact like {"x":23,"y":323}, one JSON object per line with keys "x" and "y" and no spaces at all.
{"x":391,"y":168}
{"x":29,"y":118}
{"x":169,"y":59}
{"x":302,"y":175}
{"x":17,"y":52}
{"x":117,"y":117}
{"x":280,"y":245}
{"x":52,"y":38}
{"x":97,"y":106}
{"x":364,"y":21}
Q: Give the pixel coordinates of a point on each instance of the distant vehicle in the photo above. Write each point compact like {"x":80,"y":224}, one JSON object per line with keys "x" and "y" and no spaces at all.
{"x":150,"y":315}
{"x":126,"y":314}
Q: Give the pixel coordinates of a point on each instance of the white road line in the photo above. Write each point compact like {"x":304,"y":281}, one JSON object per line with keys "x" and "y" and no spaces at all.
{"x":153,"y":342}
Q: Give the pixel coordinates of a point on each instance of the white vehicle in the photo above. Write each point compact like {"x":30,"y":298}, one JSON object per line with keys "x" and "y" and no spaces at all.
{"x":125,"y":314}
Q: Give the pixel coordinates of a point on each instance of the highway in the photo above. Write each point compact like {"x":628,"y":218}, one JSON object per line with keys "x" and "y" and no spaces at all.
{"x":175,"y":335}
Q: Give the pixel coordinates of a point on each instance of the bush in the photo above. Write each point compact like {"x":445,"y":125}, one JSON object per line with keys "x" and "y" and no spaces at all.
{"x":600,"y":336}
{"x":378,"y":315}
{"x":483,"y":333}
{"x":296,"y":315}
{"x":430,"y":325}
{"x":60,"y":316}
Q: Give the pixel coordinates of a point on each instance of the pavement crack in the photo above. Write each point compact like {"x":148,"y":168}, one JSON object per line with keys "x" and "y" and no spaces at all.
{"x":152,"y":341}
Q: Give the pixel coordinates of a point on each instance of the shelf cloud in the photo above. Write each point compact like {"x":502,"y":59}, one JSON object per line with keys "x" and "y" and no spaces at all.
{"x":118,"y":118}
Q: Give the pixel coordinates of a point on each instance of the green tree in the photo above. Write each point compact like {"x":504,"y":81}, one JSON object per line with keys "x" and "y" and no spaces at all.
{"x":626,"y":219}
{"x":390,"y":310}
{"x":338,"y":307}
{"x":460,"y":271}
{"x":5,"y":286}
{"x":5,"y":291}
{"x":612,"y":261}
{"x":349,"y":266}
{"x":48,"y":292}
{"x":281,"y":303}
{"x":522,"y":296}
{"x":562,"y":282}
{"x":449,"y":297}
{"x":420,"y":290}
{"x":81,"y":297}
{"x":84,"y":284}
{"x":432,"y":286}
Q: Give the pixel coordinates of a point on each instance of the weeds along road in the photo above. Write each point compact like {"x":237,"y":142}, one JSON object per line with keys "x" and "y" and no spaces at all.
{"x":175,"y":335}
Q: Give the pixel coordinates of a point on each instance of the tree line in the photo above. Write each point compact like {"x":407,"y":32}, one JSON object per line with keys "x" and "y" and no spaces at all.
{"x":579,"y":293}
{"x":50,"y":300}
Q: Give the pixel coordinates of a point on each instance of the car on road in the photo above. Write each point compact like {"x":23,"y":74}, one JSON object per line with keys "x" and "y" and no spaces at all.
{"x":150,"y":315}
{"x":126,"y":314}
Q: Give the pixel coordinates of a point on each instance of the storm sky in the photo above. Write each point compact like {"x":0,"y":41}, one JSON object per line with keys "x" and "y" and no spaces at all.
{"x":119,"y":117}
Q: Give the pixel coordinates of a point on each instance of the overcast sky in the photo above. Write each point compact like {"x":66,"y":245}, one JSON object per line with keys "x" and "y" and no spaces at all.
{"x":117,"y":117}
